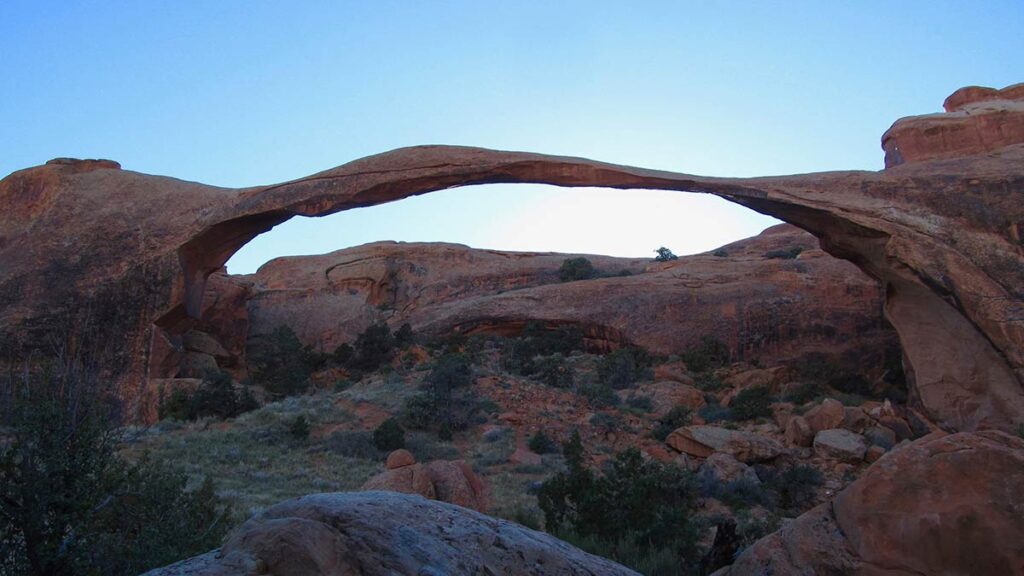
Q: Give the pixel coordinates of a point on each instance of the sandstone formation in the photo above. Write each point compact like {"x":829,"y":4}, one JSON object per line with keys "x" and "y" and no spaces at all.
{"x":704,"y":441}
{"x":763,"y":308}
{"x":89,"y":248}
{"x":946,"y":504}
{"x":448,"y":481}
{"x":385,"y":534}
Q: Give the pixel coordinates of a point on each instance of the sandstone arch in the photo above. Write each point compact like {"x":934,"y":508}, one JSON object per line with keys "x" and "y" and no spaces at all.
{"x":942,"y":232}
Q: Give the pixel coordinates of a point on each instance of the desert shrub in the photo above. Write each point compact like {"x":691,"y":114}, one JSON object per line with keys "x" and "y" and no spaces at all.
{"x":622,"y":368}
{"x":720,"y":253}
{"x":818,"y":368}
{"x":638,"y":504}
{"x":640,"y":403}
{"x":344,"y":354}
{"x":738,"y":494}
{"x":353,"y":444}
{"x":524,"y":516}
{"x":279,"y":363}
{"x":787,"y":254}
{"x":541,"y":443}
{"x":216,"y":396}
{"x":708,"y":382}
{"x":713,"y":412}
{"x":671,"y":421}
{"x":599,"y":395}
{"x":298,"y":428}
{"x":804,"y":393}
{"x":852,"y":384}
{"x":443,"y":405}
{"x":404,"y":336}
{"x":754,"y":402}
{"x":576,"y":269}
{"x":373,"y":347}
{"x":553,"y":371}
{"x":664,"y":255}
{"x":795,"y":487}
{"x":709,"y":354}
{"x":520,"y":354}
{"x":70,"y":504}
{"x":605,"y":421}
{"x":389,"y":435}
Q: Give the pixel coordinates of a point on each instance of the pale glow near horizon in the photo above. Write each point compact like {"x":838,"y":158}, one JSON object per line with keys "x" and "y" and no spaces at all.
{"x":524,"y":218}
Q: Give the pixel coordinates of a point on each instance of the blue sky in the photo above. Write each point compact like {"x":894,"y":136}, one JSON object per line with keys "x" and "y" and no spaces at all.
{"x":245,"y":93}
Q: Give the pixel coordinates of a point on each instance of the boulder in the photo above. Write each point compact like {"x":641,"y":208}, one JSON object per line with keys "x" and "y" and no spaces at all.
{"x":840,"y":444}
{"x":447,"y":481}
{"x":855,"y":419}
{"x":799,"y":432}
{"x":880,"y":436}
{"x":703,"y":441}
{"x":399,"y":458}
{"x":721,"y":468}
{"x":385,"y":534}
{"x":945,"y":504}
{"x":874,"y":453}
{"x":827,"y":415}
{"x":667,"y":394}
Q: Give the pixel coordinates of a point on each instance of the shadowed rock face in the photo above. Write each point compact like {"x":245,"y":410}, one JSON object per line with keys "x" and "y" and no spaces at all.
{"x":130,"y":252}
{"x":384,"y":534}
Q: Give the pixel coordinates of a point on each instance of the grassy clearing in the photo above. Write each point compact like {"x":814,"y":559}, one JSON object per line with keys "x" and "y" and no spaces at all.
{"x":254,"y":460}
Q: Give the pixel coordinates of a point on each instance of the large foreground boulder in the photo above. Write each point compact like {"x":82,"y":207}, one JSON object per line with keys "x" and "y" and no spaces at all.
{"x":946,"y":504}
{"x":387,"y":534}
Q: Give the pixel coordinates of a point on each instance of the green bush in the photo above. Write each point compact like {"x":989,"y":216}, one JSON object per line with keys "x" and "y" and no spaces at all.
{"x":638,"y":504}
{"x":299,"y":428}
{"x":70,"y":504}
{"x":671,"y":421}
{"x":804,"y":393}
{"x":599,"y":395}
{"x":787,"y":254}
{"x":353,"y":444}
{"x":640,"y":403}
{"x":709,"y":354}
{"x":389,"y":436}
{"x":754,"y":402}
{"x":280,"y":363}
{"x":665,"y":255}
{"x":605,"y":421}
{"x":520,"y":355}
{"x":540,"y":443}
{"x":373,"y":347}
{"x":622,"y":368}
{"x":404,"y":336}
{"x":795,"y":487}
{"x":444,"y":405}
{"x":216,"y":396}
{"x":720,"y":253}
{"x":576,"y":269}
{"x":712,"y":412}
{"x":554,"y":371}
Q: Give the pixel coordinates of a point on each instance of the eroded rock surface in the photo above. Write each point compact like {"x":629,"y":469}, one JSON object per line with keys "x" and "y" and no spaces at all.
{"x":946,"y":504}
{"x":83,"y":243}
{"x":762,"y":307}
{"x":385,"y":534}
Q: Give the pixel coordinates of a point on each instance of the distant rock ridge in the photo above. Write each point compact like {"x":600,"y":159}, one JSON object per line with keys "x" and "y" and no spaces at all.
{"x":764,"y":308}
